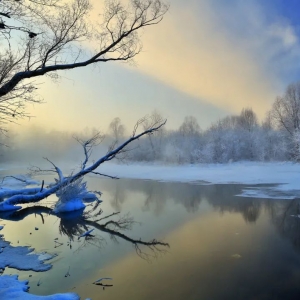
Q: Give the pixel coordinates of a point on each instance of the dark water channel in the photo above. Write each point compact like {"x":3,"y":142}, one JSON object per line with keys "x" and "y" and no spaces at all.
{"x":221,"y":246}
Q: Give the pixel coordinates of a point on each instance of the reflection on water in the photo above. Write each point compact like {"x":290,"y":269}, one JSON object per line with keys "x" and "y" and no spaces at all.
{"x":221,"y":246}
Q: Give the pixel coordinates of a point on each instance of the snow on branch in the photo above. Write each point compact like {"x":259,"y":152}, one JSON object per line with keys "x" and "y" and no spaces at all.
{"x":58,"y":170}
{"x":72,"y":188}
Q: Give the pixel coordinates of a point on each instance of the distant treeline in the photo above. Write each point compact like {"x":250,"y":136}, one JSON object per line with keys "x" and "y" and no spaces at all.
{"x":233,"y":138}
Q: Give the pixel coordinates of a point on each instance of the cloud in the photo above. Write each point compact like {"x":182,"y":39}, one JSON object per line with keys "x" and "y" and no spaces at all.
{"x":285,"y":33}
{"x":222,"y":55}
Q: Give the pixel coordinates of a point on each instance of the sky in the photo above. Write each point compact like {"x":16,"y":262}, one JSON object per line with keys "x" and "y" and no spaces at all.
{"x":207,"y":58}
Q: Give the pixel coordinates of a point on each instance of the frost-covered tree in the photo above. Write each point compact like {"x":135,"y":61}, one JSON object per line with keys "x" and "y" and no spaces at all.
{"x":150,"y":147}
{"x":186,"y":141}
{"x":285,"y":111}
{"x":248,"y":119}
{"x":71,"y":190}
{"x":285,"y":114}
{"x":117,"y":129}
{"x":190,"y":126}
{"x":296,"y":144}
{"x":156,"y":139}
{"x":233,"y":138}
{"x":239,"y":137}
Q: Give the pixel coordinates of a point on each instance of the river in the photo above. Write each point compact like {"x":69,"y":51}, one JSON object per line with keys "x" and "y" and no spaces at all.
{"x":164,"y":240}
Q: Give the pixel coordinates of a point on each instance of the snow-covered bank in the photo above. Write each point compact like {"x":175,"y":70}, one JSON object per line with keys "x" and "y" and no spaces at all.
{"x":241,"y":172}
{"x":285,"y":175}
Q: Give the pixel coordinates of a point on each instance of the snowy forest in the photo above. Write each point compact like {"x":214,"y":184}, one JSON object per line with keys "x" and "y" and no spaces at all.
{"x":233,"y":138}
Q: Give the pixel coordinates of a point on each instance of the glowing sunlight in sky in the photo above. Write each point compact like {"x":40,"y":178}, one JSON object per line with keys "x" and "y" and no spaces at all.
{"x":207,"y":58}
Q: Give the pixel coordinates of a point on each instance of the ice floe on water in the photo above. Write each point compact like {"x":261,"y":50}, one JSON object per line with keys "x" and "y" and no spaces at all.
{"x":12,"y":288}
{"x":269,"y":193}
{"x":22,"y":258}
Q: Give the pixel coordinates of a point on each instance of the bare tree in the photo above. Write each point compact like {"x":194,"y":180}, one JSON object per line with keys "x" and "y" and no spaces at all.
{"x":190,"y":126}
{"x":117,"y":129}
{"x":248,"y":119}
{"x":155,"y":139}
{"x":40,"y":37}
{"x":71,"y":187}
{"x":285,"y":112}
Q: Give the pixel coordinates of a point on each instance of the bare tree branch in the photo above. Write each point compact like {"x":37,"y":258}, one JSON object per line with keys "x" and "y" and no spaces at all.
{"x":50,"y":36}
{"x":105,"y":175}
{"x":35,"y":195}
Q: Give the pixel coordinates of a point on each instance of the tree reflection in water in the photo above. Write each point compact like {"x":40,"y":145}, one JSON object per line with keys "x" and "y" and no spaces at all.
{"x":156,"y":195}
{"x":77,"y":223}
{"x":285,"y":216}
{"x":221,"y":197}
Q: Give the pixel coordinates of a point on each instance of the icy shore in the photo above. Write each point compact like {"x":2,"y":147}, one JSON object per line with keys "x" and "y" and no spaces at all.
{"x":285,"y":175}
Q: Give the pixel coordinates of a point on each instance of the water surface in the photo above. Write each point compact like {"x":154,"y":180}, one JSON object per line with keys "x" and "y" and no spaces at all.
{"x":221,"y":246}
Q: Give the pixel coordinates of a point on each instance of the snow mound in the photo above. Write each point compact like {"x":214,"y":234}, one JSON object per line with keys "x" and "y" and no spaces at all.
{"x":71,"y":196}
{"x":68,"y":206}
{"x":22,"y":258}
{"x":12,"y":288}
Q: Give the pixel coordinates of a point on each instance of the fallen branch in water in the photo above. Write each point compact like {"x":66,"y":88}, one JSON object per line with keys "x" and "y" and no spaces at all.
{"x":32,"y":195}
